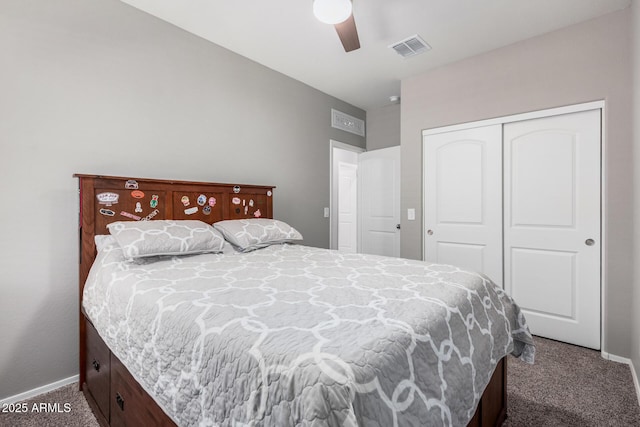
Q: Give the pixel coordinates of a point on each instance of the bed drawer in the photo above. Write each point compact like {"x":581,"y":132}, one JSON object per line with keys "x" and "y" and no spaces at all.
{"x":492,"y":409}
{"x":130,"y":404}
{"x":97,"y":369}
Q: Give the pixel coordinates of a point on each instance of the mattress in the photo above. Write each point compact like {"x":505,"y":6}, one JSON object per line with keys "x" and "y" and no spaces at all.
{"x":295,"y":335}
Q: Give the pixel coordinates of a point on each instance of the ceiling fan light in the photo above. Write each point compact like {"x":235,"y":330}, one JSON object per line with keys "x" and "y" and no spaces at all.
{"x":332,"y":11}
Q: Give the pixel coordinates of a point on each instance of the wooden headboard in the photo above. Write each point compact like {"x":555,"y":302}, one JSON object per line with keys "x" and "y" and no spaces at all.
{"x":106,"y":199}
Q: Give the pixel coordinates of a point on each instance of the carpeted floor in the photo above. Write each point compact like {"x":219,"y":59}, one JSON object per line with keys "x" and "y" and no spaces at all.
{"x":78,"y":415}
{"x":567,"y":386}
{"x":570,"y":386}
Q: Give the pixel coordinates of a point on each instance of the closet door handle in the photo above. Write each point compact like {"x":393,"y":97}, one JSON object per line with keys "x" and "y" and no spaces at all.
{"x":96,"y":365}
{"x":589,"y":242}
{"x":430,"y":232}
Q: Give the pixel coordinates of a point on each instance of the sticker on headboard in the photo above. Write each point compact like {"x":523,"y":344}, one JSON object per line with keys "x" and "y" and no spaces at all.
{"x":108,"y":198}
{"x":202,"y":199}
{"x":235,"y":200}
{"x":250,"y":202}
{"x":236,"y":189}
{"x":130,"y":215}
{"x":131,"y":184}
{"x":154,"y":201}
{"x":269,"y":193}
{"x":151,"y":215}
{"x":212,"y":201}
{"x":107,"y":212}
{"x":138,"y":207}
{"x":191,"y":211}
{"x":206,"y":210}
{"x":137,"y":194}
{"x":185,"y":200}
{"x":257,"y":213}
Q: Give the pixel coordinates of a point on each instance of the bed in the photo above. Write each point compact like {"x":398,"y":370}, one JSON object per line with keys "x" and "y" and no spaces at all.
{"x":285,"y":334}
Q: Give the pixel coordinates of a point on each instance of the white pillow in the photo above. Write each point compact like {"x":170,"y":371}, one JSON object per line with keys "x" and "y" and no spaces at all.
{"x":254,"y":233}
{"x":139,"y":239}
{"x":104,"y":240}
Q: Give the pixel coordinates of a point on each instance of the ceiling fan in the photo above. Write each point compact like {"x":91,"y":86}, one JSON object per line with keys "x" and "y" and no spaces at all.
{"x":340,"y":14}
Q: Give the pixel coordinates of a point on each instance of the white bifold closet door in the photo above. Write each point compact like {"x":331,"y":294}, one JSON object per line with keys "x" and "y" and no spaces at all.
{"x":520,"y":202}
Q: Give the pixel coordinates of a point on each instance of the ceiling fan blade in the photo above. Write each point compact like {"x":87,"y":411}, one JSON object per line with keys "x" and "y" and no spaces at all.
{"x":348,"y":34}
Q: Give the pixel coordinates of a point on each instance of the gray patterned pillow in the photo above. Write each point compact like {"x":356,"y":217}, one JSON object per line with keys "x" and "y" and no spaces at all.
{"x":104,"y":240}
{"x":139,"y":239}
{"x":255,"y":233}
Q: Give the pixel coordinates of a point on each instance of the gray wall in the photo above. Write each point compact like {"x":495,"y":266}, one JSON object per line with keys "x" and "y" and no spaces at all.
{"x":635,"y":331}
{"x":585,"y":62}
{"x":99,"y":87}
{"x":383,"y":127}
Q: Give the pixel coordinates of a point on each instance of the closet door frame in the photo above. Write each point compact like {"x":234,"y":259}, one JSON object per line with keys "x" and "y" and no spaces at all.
{"x":595,"y":105}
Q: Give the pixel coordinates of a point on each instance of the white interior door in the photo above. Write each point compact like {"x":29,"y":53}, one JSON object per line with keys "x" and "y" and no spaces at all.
{"x":463,"y":199}
{"x":348,"y":207}
{"x":341,"y":154}
{"x":552,"y":224}
{"x":379,"y":181}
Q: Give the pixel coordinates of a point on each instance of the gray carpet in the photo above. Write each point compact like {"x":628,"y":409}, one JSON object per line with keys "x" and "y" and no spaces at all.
{"x":80,"y":414}
{"x":568,"y":386}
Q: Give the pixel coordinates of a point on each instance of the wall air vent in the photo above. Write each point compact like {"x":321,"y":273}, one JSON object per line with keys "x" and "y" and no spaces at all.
{"x":410,"y":46}
{"x":343,"y":121}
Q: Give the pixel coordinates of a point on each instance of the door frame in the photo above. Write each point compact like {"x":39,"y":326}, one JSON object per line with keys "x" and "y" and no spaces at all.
{"x":594,"y":105}
{"x":333,"y":199}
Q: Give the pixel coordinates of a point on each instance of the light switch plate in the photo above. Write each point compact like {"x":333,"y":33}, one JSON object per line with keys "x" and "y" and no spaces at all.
{"x":411,"y":214}
{"x":326,"y":212}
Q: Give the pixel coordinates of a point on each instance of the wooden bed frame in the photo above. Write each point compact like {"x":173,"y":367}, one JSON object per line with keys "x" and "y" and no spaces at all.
{"x":114,"y":396}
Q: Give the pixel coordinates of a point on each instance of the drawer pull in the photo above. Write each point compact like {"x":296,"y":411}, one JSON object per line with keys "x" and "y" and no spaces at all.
{"x":96,"y":365}
{"x":120,"y":401}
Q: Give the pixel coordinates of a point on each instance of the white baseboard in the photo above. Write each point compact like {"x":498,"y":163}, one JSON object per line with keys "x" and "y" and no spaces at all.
{"x":636,"y":383}
{"x":627,"y":361}
{"x":39,"y":390}
{"x":615,"y":358}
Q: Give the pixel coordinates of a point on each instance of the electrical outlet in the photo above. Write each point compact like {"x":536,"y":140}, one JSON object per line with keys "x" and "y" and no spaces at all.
{"x":411,"y":214}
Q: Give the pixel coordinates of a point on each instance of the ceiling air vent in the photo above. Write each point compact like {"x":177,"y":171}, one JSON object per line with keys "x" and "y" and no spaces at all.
{"x":410,"y":46}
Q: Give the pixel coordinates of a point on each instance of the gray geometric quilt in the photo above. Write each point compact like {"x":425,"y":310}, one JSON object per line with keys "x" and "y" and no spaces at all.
{"x":292,"y":335}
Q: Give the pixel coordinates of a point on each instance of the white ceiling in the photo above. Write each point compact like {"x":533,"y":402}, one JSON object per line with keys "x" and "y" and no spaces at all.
{"x":285,"y":36}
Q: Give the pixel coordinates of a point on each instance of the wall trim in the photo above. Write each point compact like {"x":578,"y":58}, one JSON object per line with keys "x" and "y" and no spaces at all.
{"x":615,"y":358}
{"x":567,"y":109}
{"x":39,"y":390}
{"x":626,"y":361}
{"x":636,"y":383}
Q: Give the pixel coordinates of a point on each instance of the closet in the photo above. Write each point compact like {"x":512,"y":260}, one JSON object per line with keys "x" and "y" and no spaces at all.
{"x":518,"y":199}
